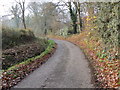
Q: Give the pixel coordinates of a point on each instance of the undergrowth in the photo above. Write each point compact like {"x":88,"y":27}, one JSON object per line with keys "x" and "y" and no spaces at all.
{"x":16,"y":73}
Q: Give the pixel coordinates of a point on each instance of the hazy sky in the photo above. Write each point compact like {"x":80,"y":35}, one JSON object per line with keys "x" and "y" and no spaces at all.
{"x":5,"y":5}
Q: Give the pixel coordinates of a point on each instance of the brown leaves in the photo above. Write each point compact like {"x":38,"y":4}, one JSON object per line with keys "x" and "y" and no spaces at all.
{"x":106,"y":70}
{"x":12,"y":77}
{"x":20,"y":53}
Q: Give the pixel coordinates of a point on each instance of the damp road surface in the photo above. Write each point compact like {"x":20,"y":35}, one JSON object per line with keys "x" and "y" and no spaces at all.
{"x":67,"y":68}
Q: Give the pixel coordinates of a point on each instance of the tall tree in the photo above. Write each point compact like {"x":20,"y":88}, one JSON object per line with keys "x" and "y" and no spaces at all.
{"x":50,"y":16}
{"x":77,"y":5}
{"x":73,"y":15}
{"x":22,"y":7}
{"x":35,"y":13}
{"x":45,"y":17}
{"x":16,"y":12}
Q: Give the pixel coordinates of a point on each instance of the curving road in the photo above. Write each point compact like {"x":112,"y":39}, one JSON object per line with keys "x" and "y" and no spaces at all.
{"x":67,"y":68}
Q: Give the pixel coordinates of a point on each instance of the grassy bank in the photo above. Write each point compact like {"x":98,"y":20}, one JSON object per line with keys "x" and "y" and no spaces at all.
{"x":20,"y":44}
{"x":22,"y":52}
{"x":16,"y":73}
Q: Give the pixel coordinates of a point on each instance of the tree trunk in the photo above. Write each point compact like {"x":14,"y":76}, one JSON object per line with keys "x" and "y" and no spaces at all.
{"x":79,"y":18}
{"x":23,"y":15}
{"x":75,"y":28}
{"x":45,"y":32}
{"x":73,"y":15}
{"x":77,"y":6}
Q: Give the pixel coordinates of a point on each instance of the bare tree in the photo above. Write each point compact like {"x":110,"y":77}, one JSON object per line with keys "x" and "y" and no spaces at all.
{"x":47,"y":17}
{"x":50,"y":16}
{"x":35,"y":12}
{"x":16,"y":12}
{"x":73,"y":10}
{"x":77,"y":5}
{"x":22,"y":7}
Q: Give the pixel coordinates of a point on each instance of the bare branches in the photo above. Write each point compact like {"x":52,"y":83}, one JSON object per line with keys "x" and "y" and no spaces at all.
{"x":22,"y":6}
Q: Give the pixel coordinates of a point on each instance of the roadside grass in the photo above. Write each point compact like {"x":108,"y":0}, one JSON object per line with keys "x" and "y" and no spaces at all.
{"x":18,"y":54}
{"x":48,"y":49}
{"x":16,"y":73}
{"x":18,"y":45}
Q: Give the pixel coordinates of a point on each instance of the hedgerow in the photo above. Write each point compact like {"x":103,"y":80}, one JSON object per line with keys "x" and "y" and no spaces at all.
{"x":12,"y":37}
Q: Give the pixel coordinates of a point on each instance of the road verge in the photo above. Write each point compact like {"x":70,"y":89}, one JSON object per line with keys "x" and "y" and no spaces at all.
{"x":16,"y":73}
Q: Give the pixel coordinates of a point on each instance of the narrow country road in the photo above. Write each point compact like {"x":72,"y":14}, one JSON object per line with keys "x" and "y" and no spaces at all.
{"x":67,"y":68}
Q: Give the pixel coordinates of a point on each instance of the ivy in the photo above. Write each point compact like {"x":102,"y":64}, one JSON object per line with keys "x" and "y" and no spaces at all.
{"x":108,"y":23}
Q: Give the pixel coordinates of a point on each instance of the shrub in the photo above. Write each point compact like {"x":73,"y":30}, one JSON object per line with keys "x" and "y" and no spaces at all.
{"x":108,"y":24}
{"x":21,"y":53}
{"x":19,"y":45}
{"x":12,"y":37}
